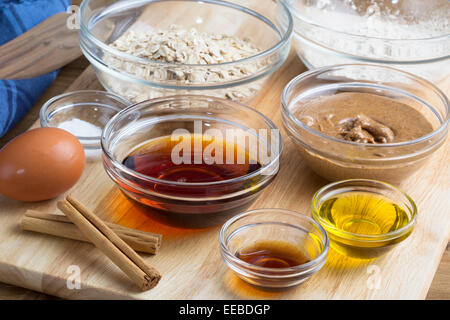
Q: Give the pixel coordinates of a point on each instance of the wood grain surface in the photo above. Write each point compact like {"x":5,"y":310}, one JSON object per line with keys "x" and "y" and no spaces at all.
{"x":66,"y":80}
{"x":190,"y":260}
{"x":42,"y":49}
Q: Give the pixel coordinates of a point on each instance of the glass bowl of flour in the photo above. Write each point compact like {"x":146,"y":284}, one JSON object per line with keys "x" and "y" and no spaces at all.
{"x":413,"y":35}
{"x":82,"y":113}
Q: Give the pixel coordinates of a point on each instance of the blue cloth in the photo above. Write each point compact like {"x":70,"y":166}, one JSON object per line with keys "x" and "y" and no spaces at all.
{"x":16,"y":17}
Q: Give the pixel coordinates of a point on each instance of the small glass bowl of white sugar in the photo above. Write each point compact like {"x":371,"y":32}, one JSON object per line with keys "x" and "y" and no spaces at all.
{"x":82,"y":113}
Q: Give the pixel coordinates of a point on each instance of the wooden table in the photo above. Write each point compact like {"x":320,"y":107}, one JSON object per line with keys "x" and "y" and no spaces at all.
{"x":439,"y":288}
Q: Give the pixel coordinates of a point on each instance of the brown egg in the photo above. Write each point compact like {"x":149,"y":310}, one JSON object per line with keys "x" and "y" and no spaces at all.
{"x":40,"y":164}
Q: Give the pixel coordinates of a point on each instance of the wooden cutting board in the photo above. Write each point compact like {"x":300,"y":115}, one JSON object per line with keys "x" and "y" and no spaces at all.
{"x":190,"y":260}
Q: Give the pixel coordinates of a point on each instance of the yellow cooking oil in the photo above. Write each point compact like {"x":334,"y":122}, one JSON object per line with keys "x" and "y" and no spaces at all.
{"x":357,"y":223}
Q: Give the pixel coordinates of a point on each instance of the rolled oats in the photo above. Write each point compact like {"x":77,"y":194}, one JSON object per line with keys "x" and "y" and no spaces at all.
{"x":179,"y":46}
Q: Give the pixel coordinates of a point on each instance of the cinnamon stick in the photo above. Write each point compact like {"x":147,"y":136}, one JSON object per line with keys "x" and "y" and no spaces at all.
{"x":61,"y":226}
{"x":144,"y":275}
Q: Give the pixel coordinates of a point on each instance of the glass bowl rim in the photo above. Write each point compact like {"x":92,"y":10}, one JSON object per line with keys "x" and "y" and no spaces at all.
{"x":285,"y":106}
{"x":282,"y":41}
{"x":367,"y":237}
{"x":148,"y":104}
{"x":400,"y":42}
{"x":300,"y":268}
{"x":44,"y":116}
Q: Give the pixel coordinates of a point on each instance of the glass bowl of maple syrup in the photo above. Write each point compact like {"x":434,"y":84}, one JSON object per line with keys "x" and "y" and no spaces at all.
{"x":191,"y":160}
{"x":273,"y":248}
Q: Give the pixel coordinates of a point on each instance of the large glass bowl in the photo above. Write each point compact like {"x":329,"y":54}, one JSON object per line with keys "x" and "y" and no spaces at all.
{"x":138,"y":79}
{"x":192,"y":204}
{"x":413,"y":35}
{"x":336,"y":159}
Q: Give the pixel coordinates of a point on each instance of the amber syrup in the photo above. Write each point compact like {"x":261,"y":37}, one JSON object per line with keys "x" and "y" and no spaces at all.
{"x":156,"y":159}
{"x":272,"y":254}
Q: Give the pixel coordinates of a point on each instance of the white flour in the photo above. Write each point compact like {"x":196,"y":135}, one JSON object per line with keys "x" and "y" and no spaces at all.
{"x":388,"y":23}
{"x":383,"y":27}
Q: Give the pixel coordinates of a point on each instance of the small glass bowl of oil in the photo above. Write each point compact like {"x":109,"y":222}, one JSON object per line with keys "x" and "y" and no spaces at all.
{"x":273,"y":248}
{"x":364,"y":218}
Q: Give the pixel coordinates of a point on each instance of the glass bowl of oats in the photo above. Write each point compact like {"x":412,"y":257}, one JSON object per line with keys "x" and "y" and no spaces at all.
{"x":146,"y":49}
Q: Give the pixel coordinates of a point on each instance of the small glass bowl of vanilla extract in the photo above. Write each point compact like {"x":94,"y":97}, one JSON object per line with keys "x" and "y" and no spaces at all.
{"x":364,"y":218}
{"x":273,"y":248}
